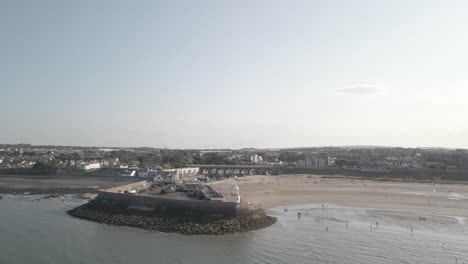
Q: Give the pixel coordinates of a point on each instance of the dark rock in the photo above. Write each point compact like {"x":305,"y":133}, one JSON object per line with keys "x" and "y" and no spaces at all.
{"x":246,"y":219}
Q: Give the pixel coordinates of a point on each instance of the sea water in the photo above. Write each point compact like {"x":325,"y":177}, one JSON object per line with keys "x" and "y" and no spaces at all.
{"x":34,"y":230}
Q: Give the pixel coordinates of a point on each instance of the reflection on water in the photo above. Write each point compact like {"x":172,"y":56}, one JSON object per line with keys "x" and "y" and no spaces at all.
{"x":51,"y":236}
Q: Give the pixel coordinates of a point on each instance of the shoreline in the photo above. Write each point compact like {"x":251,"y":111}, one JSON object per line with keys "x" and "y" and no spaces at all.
{"x":34,"y":191}
{"x":121,"y":218}
{"x":438,"y":198}
{"x":286,"y":190}
{"x":54,"y":183}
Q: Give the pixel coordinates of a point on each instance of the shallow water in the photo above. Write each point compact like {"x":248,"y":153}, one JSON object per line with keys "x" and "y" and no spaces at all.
{"x":39,"y":231}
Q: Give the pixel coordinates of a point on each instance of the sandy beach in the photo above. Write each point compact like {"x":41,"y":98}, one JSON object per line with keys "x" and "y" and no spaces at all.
{"x":446,"y":201}
{"x":442,"y":201}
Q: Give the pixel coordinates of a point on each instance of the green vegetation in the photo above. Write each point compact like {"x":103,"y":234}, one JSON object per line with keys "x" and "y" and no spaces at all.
{"x":290,"y":156}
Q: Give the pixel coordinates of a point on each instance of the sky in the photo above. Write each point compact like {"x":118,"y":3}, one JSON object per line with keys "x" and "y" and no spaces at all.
{"x":234,"y":74}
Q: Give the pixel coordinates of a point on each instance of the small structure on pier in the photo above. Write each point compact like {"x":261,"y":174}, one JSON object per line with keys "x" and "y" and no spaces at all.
{"x":235,"y":194}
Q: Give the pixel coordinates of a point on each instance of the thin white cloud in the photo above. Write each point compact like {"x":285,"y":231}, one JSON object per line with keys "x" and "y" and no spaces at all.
{"x":362,"y":89}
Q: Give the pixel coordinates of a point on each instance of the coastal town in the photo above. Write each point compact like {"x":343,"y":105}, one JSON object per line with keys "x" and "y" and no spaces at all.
{"x":170,"y":165}
{"x":181,"y":190}
{"x":234,"y":132}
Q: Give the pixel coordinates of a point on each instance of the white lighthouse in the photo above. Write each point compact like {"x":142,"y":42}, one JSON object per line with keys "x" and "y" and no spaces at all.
{"x":235,"y":194}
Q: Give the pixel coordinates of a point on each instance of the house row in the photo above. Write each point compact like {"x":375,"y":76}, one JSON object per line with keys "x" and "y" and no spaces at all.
{"x":177,"y":175}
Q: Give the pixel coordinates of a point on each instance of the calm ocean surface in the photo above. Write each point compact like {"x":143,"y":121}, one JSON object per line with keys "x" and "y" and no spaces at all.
{"x":41,"y":232}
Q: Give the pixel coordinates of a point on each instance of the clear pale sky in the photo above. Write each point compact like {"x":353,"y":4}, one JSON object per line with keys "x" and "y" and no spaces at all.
{"x":215,"y":74}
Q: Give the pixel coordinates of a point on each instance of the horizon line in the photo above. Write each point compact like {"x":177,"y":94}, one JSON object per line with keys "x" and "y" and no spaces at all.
{"x":214,"y":148}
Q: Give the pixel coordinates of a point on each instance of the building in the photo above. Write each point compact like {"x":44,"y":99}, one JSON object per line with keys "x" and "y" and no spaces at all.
{"x":88,"y":166}
{"x":321,"y":161}
{"x":180,"y":175}
{"x":187,"y":174}
{"x":106,"y":163}
{"x":256,"y":159}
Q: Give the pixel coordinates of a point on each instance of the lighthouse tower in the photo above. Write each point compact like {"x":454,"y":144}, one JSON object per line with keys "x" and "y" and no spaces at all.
{"x":235,"y":194}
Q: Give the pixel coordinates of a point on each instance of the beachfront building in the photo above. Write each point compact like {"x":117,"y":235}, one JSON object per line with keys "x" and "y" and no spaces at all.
{"x":180,"y":175}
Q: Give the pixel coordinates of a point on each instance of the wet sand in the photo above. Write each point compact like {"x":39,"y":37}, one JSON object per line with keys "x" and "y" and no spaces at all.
{"x":407,"y":199}
{"x":58,"y":184}
{"x":447,"y":202}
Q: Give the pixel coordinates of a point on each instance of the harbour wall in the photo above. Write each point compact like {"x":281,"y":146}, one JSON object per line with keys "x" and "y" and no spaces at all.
{"x":112,"y":198}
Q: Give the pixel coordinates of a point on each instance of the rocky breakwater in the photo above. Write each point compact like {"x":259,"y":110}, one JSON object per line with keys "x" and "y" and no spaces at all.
{"x":102,"y":211}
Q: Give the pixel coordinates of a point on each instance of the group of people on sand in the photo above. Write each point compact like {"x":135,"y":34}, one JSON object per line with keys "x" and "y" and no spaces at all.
{"x":372,"y":227}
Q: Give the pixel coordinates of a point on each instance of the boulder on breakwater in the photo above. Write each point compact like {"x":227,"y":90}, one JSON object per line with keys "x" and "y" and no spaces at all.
{"x":246,"y":219}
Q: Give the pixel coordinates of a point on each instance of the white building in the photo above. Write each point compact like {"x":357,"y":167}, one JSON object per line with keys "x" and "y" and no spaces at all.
{"x":256,"y":158}
{"x":87,"y":166}
{"x":181,"y":174}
